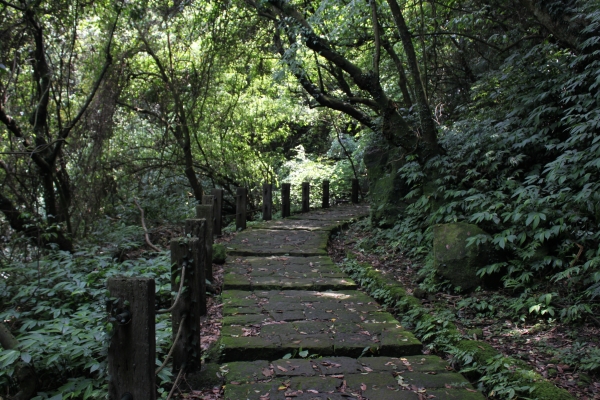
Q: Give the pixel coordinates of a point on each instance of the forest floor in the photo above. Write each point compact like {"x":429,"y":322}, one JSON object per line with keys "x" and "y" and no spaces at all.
{"x":547,"y":346}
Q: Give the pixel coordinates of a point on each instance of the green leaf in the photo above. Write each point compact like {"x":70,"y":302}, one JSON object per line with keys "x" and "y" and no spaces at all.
{"x":303,"y":353}
{"x":7,"y":357}
{"x":26,"y":357}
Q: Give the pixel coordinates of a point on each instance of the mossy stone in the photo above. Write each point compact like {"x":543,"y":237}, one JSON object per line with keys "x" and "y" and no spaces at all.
{"x":453,"y":259}
{"x":207,"y":378}
{"x":478,"y":332}
{"x":386,"y":187}
{"x":481,"y":351}
{"x":219,"y":254}
{"x":547,"y":391}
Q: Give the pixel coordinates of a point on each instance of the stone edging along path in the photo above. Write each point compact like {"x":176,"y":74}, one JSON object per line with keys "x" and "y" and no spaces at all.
{"x":283,"y":295}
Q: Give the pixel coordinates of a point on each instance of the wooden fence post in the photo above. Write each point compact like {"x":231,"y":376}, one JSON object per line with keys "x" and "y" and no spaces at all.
{"x":132,"y":348}
{"x":267,"y":206}
{"x":325,"y":194}
{"x":187,"y":252}
{"x":285,"y":200}
{"x":305,"y":197}
{"x":204,"y":212}
{"x":209,"y":200}
{"x":240,"y":208}
{"x":218,"y":212}
{"x":355,"y":191}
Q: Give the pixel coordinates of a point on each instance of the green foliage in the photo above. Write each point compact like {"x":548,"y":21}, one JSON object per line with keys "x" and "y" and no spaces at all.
{"x":524,"y":167}
{"x":57,"y":309}
{"x":299,"y":354}
{"x":304,"y":168}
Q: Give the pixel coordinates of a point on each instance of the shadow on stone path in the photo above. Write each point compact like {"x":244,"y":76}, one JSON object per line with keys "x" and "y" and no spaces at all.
{"x":282,"y":295}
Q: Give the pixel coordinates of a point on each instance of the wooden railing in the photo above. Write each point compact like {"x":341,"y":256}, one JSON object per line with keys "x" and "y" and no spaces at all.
{"x":132,"y":348}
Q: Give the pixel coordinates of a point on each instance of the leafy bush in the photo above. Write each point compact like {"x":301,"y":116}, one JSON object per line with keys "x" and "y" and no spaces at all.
{"x":523,"y":164}
{"x":56,"y":306}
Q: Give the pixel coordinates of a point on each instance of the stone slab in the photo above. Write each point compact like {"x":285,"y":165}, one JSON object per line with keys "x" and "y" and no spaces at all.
{"x":343,"y":378}
{"x":340,"y":213}
{"x":301,"y":224}
{"x":324,"y":323}
{"x":269,"y":242}
{"x":284,"y":272}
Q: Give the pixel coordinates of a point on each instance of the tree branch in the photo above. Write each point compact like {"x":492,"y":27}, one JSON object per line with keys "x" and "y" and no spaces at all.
{"x":372,"y":104}
{"x":323,"y":99}
{"x":6,"y":3}
{"x":377,"y":51}
{"x":144,"y":226}
{"x":402,"y":81}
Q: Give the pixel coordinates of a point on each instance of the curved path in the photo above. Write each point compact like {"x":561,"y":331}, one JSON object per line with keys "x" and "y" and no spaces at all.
{"x":282,"y":296}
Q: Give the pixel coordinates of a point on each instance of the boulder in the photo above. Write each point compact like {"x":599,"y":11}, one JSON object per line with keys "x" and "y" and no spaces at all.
{"x":456,"y":262}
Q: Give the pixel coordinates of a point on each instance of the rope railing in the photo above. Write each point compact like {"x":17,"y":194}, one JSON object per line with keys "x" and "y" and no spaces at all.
{"x":164,"y":364}
{"x":168,"y":310}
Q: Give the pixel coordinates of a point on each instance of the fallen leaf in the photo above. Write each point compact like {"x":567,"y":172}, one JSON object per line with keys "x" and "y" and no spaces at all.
{"x":363,"y":387}
{"x":267,"y":372}
{"x":279,"y":367}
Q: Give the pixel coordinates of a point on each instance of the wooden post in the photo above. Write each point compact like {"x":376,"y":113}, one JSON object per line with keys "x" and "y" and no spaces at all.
{"x":355,"y":191}
{"x":192,"y":302}
{"x":305,"y":197}
{"x":325,"y":194}
{"x":132,"y":348}
{"x":199,"y":228}
{"x":205,"y":212}
{"x":267,"y":206}
{"x":285,"y":200}
{"x":209,"y":200}
{"x":240,"y":208}
{"x":218,"y":212}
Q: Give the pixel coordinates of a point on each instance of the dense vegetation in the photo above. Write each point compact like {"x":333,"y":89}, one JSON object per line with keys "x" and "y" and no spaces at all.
{"x":482,"y":111}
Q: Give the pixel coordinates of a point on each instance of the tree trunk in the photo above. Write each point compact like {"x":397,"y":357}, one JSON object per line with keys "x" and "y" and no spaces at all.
{"x":31,"y":228}
{"x":429,"y":133}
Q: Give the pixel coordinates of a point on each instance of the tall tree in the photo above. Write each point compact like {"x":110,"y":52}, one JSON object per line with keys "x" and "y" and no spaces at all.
{"x":42,"y":99}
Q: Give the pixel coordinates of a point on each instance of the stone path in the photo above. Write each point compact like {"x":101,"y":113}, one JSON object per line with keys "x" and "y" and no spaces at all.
{"x":295,"y":327}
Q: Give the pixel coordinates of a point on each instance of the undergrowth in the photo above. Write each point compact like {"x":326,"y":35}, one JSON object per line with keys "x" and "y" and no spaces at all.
{"x":524,"y":165}
{"x":56,"y":306}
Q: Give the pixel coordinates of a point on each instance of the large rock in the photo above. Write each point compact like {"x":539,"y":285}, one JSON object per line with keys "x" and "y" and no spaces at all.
{"x":386,"y":188}
{"x":456,"y":262}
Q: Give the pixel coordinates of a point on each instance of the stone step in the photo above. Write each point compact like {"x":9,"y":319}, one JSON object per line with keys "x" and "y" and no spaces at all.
{"x":374,"y":378}
{"x":285,"y":273}
{"x":271,"y":324}
{"x":269,"y":242}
